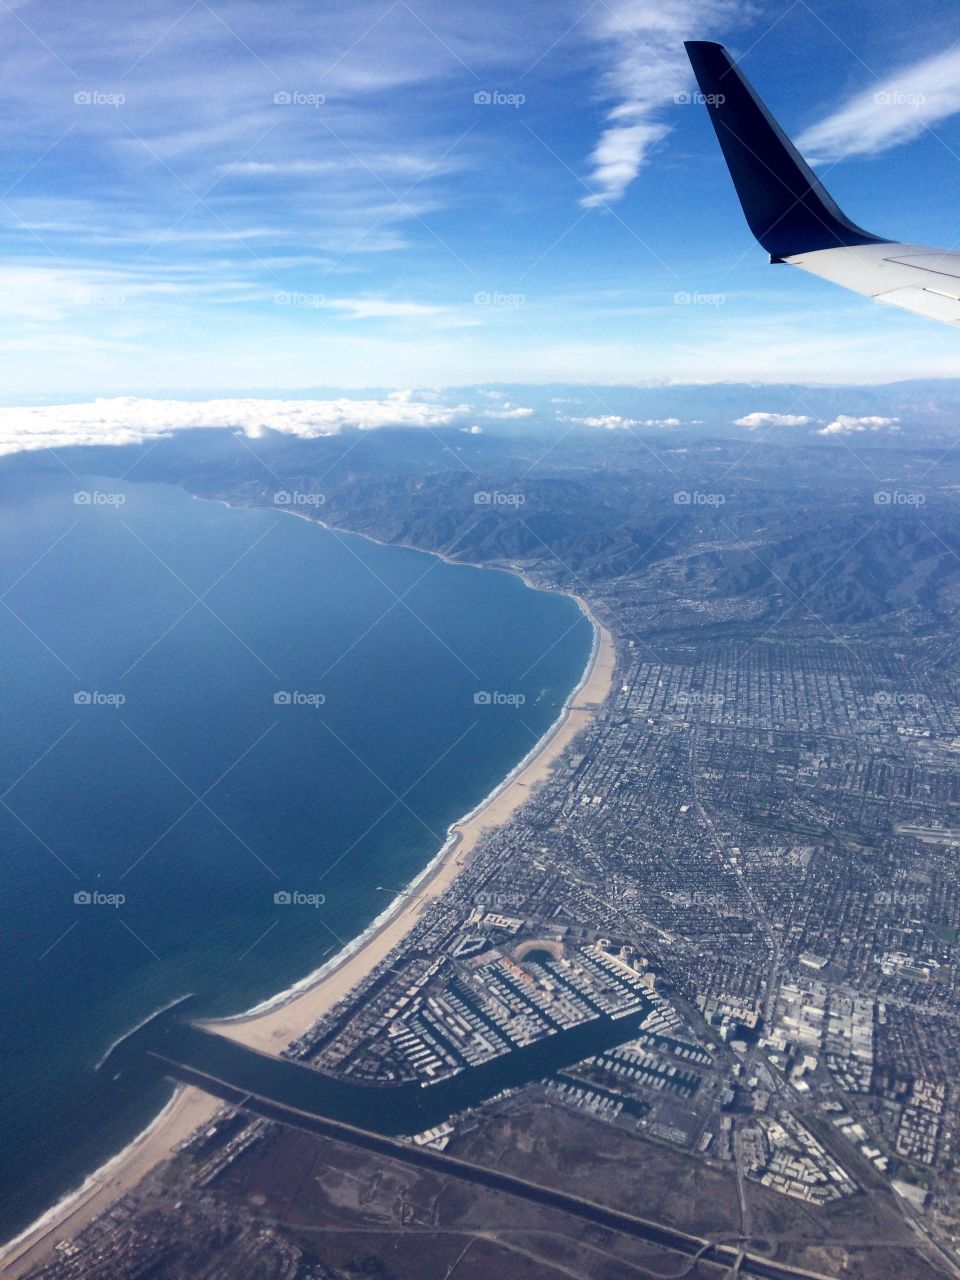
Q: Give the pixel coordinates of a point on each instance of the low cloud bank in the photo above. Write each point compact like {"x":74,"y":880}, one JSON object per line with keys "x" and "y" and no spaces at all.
{"x":845,"y":425}
{"x":130,"y":420}
{"x":755,"y":420}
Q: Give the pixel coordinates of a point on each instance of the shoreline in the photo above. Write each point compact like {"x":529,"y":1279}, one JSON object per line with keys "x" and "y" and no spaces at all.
{"x":273,"y":1023}
{"x":187,"y":1109}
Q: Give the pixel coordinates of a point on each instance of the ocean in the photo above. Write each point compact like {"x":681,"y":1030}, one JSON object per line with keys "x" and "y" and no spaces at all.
{"x":230,"y":736}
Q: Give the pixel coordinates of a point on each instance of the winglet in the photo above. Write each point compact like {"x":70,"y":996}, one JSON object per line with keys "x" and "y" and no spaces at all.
{"x":786,"y":206}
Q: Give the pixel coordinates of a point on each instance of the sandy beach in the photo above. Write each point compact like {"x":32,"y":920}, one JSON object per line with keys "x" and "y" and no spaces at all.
{"x":187,"y":1109}
{"x":272,"y":1028}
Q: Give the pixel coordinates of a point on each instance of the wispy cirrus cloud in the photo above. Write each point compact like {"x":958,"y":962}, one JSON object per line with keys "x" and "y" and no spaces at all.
{"x":649,"y":74}
{"x":388,"y":309}
{"x":181,"y":241}
{"x":898,"y":109}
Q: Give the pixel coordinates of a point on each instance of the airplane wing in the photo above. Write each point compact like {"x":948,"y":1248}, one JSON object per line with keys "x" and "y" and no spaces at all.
{"x":793,"y":215}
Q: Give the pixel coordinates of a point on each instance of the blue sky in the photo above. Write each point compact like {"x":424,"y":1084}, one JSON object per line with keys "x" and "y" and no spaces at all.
{"x":218,"y":197}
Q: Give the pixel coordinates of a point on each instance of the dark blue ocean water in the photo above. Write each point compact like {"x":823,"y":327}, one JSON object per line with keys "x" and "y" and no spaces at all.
{"x":145,"y":755}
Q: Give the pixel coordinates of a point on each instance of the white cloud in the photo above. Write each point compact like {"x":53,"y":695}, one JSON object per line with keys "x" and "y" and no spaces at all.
{"x":384,"y":309}
{"x":200,"y":112}
{"x":650,"y":70}
{"x":403,"y":164}
{"x":844,"y":425}
{"x":608,"y":422}
{"x":128,"y":420}
{"x":754,"y":420}
{"x":420,"y":395}
{"x":894,"y":111}
{"x":43,"y":294}
{"x":617,"y":159}
{"x":472,"y":431}
{"x":507,"y":410}
{"x":614,"y":422}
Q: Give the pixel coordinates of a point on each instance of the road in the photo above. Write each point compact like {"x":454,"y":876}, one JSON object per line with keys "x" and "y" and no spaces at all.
{"x":725,"y":1255}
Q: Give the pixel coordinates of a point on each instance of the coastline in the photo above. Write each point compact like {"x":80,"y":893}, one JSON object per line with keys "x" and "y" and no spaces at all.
{"x":277,"y":1021}
{"x":187,"y":1109}
{"x":274,"y":1023}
